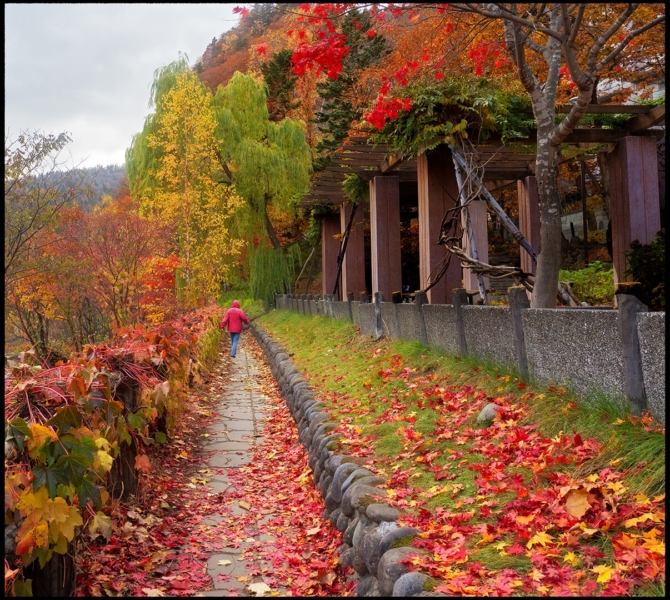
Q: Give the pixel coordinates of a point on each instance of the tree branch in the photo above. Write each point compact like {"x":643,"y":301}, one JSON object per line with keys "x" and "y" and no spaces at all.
{"x":600,"y":42}
{"x":612,"y":55}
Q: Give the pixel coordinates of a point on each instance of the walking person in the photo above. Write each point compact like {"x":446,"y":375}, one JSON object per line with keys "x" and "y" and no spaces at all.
{"x":234,"y":318}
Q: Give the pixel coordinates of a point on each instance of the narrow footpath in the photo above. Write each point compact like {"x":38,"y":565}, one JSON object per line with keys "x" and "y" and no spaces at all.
{"x":232,"y":438}
{"x":229,"y":503}
{"x":267,"y":536}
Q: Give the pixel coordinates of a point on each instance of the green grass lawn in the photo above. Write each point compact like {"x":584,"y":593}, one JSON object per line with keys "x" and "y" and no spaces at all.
{"x":412,"y":412}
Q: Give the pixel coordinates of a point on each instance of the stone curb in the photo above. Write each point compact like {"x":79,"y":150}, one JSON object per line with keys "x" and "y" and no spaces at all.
{"x":349,"y":490}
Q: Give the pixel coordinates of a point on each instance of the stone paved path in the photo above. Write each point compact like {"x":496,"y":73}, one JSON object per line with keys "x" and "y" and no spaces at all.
{"x":233,"y":434}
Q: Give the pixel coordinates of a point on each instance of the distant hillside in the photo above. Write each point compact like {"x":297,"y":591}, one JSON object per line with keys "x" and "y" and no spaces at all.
{"x":100,"y":180}
{"x":230,"y":52}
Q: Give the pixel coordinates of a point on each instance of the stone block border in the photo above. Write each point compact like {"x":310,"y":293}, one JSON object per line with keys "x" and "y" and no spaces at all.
{"x":373,"y":543}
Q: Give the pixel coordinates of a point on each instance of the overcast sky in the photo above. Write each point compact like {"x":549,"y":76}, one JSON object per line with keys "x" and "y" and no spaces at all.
{"x":87,"y":68}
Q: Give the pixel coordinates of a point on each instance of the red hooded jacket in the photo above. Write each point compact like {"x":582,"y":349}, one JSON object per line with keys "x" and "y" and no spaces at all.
{"x":234,"y":318}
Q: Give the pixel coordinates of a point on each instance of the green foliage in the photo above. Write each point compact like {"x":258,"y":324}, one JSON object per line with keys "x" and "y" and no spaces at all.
{"x":593,"y":284}
{"x":271,"y":271}
{"x":337,"y":110}
{"x":465,"y":106}
{"x":270,"y":161}
{"x":280,"y":82}
{"x":313,"y":231}
{"x":647,"y":265}
{"x":355,"y":188}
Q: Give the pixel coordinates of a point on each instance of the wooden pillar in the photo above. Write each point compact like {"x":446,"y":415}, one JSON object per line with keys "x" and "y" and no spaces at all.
{"x":385,"y":235}
{"x":437,"y":181}
{"x":529,"y":220}
{"x":330,"y":248}
{"x":479,"y":223}
{"x":634,"y":204}
{"x":353,"y":267}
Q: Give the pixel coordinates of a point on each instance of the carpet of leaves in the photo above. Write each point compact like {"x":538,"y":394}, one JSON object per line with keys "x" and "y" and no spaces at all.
{"x":163,"y":546}
{"x":551,"y":531}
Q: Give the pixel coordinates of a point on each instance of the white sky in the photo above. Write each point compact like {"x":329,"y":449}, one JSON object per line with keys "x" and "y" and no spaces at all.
{"x":87,"y":68}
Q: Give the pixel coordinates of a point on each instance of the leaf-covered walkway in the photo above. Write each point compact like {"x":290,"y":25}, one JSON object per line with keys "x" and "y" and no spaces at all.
{"x":231,"y":507}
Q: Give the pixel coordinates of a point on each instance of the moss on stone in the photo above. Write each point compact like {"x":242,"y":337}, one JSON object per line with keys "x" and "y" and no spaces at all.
{"x":403,"y":541}
{"x":430,"y":584}
{"x":331,"y":445}
{"x":366,"y":501}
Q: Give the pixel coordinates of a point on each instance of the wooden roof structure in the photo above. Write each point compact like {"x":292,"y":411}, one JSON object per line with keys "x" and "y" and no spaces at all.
{"x":503,"y":166}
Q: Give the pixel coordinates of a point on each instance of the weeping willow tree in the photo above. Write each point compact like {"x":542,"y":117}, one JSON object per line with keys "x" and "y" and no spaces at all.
{"x":174,"y":169}
{"x":269,"y":162}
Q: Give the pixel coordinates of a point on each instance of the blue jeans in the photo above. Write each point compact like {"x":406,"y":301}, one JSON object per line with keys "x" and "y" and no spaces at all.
{"x":234,"y":338}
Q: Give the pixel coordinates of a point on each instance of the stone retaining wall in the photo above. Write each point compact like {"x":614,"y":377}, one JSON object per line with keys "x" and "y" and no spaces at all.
{"x":581,"y":348}
{"x":651,"y":332}
{"x":352,"y":494}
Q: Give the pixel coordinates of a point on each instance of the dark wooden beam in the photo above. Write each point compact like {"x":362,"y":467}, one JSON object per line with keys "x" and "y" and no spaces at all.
{"x":654,"y":117}
{"x":390,"y":162}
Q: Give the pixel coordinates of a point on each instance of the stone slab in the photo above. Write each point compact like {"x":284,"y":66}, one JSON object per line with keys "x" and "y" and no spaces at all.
{"x":366,"y":316}
{"x":489,"y":333}
{"x":651,"y":333}
{"x":408,"y":322}
{"x":441,"y":326}
{"x":578,"y":347}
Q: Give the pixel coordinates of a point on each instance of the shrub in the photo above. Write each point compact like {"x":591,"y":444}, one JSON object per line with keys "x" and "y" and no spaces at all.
{"x":593,"y":284}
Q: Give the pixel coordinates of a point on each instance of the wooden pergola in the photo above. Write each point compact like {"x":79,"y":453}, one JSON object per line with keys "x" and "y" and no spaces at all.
{"x":632,"y":193}
{"x":503,"y":166}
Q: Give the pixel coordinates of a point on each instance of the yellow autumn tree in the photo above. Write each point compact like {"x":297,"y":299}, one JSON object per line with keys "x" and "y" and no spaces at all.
{"x":178,"y":174}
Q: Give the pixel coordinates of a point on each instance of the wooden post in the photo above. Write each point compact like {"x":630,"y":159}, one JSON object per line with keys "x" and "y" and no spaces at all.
{"x":385,"y":235}
{"x":353,"y":265}
{"x":585,"y":222}
{"x":634,"y":201}
{"x":529,"y":220}
{"x":518,"y":301}
{"x":437,"y":193}
{"x":479,"y":226}
{"x":330,"y":248}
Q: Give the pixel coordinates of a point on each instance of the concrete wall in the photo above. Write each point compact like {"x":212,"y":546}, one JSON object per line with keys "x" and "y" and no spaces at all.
{"x":441,"y":326}
{"x":389,"y":322}
{"x":354,"y":312}
{"x":651,"y":332}
{"x":341,"y":310}
{"x":489,"y":333}
{"x":575,"y":346}
{"x":313,"y":307}
{"x":366,"y":315}
{"x":408,"y":322}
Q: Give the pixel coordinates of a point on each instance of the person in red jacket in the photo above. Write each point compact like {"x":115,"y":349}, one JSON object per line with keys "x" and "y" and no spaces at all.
{"x":234,"y":318}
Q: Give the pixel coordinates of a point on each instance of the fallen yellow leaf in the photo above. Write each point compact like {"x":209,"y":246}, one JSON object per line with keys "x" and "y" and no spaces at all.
{"x":244,"y":505}
{"x":604,"y":573}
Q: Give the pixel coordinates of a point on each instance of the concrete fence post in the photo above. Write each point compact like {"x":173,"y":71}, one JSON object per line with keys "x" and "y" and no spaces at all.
{"x":421,"y":298}
{"x":396,"y":298}
{"x":363,"y":298}
{"x":518,"y":301}
{"x":629,"y":306}
{"x":331,"y":309}
{"x":309,"y":304}
{"x":459,"y":297}
{"x":303,"y":303}
{"x":379,"y":328}
{"x":350,"y":306}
